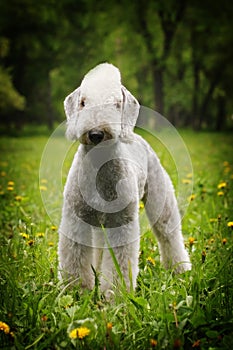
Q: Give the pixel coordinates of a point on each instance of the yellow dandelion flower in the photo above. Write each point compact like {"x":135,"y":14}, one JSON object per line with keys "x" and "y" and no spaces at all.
{"x":141,"y":205}
{"x":220,"y":193}
{"x":222,"y":185}
{"x":227,"y":170}
{"x":226,"y":163}
{"x":80,"y":333}
{"x":213,"y":220}
{"x":83,"y":332}
{"x":18,"y":198}
{"x":191,"y":198}
{"x":43,"y":181}
{"x":191,"y":241}
{"x":53,"y":228}
{"x":230,"y":224}
{"x":212,"y":240}
{"x":153,"y":343}
{"x":10,"y":183}
{"x":224,"y":241}
{"x":30,"y":242}
{"x":40,"y":234}
{"x":4,"y":164}
{"x":1,"y":193}
{"x":4,"y":327}
{"x":150,"y":260}
{"x":51,"y":244}
{"x":186,"y":181}
{"x":10,"y":188}
{"x":73,"y":334}
{"x":109,"y":326}
{"x":24,"y":235}
{"x":203,"y":256}
{"x":43,"y":188}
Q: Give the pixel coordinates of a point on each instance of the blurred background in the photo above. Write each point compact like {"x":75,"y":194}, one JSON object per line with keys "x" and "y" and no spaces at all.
{"x":175,"y":57}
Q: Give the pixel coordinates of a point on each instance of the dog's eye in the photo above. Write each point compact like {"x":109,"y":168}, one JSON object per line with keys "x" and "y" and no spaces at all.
{"x":82,"y":103}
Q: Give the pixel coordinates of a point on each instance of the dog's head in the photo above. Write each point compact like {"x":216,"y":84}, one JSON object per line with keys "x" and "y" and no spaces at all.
{"x":101,"y":108}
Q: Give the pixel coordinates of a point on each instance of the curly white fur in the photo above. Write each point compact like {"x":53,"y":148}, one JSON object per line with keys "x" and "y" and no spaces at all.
{"x":112,"y":170}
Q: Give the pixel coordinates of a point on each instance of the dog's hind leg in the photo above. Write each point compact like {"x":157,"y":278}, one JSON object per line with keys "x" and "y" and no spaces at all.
{"x":162,"y":211}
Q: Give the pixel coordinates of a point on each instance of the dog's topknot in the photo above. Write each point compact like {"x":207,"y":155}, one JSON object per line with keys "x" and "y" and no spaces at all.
{"x":104,"y":78}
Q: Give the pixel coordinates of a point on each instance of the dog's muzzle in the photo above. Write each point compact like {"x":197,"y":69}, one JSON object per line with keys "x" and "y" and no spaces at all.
{"x":96,"y":136}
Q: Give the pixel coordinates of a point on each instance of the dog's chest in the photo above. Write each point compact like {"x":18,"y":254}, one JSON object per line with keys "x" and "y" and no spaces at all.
{"x":104,"y":187}
{"x":109,"y":178}
{"x":113,"y":184}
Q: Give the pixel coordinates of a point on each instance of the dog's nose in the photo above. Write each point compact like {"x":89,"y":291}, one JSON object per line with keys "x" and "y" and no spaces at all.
{"x":96,"y":136}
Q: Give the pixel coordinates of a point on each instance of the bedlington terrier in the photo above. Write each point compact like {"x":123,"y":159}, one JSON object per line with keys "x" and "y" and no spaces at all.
{"x":113,"y":170}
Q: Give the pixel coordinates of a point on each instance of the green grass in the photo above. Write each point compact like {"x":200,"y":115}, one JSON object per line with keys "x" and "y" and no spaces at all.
{"x":167,"y":311}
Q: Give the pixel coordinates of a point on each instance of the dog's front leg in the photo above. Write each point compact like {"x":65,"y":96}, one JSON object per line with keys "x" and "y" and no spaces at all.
{"x":120,"y":258}
{"x":75,"y":249}
{"x":75,"y":262}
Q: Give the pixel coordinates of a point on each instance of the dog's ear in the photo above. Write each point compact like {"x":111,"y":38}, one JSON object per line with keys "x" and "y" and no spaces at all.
{"x":71,"y":106}
{"x":130,"y":111}
{"x":71,"y":103}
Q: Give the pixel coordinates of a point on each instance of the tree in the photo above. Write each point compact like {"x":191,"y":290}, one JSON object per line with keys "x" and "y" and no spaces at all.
{"x":211,"y":42}
{"x":158,"y":39}
{"x":175,"y":56}
{"x":10,"y":98}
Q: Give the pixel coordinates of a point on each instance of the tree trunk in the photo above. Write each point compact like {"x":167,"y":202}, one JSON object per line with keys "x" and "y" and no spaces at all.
{"x":205,"y":103}
{"x":195,"y":114}
{"x":49,"y":106}
{"x":157,"y":73}
{"x":221,"y":114}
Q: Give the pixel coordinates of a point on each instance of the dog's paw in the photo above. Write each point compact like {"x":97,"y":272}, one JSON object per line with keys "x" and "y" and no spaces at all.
{"x":183,"y":267}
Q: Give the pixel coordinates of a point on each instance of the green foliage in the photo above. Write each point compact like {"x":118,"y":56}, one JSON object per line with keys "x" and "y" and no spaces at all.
{"x":10,"y":99}
{"x":175,"y":57}
{"x":167,"y":311}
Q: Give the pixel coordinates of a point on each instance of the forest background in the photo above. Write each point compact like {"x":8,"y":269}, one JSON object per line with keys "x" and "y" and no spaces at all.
{"x":175,"y":57}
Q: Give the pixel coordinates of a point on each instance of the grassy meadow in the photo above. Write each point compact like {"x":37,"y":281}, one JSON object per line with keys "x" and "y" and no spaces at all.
{"x":189,"y":311}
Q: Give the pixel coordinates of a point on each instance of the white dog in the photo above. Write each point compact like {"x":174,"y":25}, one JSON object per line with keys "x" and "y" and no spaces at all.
{"x":112,"y":170}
